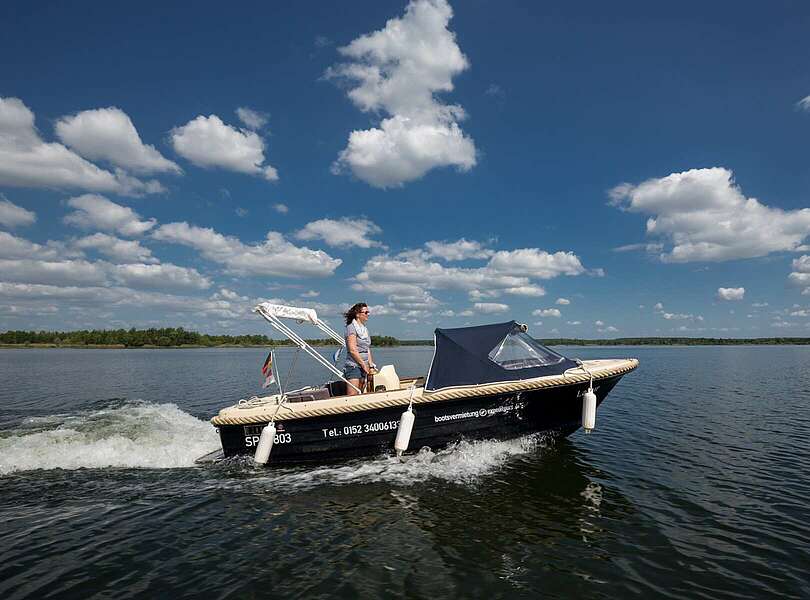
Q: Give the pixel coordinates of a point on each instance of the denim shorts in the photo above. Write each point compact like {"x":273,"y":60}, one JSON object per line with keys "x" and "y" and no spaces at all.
{"x":352,"y":372}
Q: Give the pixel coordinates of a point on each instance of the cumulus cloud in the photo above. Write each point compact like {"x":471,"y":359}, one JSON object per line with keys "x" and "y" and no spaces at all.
{"x":282,"y":209}
{"x":208,"y":142}
{"x":108,"y":134}
{"x":397,"y":71}
{"x":506,"y":272}
{"x":730,"y":293}
{"x":122,"y":251}
{"x":275,"y":256}
{"x":704,"y":216}
{"x":546,"y":312}
{"x":12,"y":246}
{"x":252,"y":119}
{"x":462,"y":249}
{"x":12,"y":215}
{"x":97,"y":212}
{"x":26,"y":160}
{"x":563,"y":301}
{"x":533,"y":262}
{"x":159,"y":277}
{"x":801,"y":273}
{"x":344,"y":232}
{"x":22,"y":261}
{"x":490,"y":307}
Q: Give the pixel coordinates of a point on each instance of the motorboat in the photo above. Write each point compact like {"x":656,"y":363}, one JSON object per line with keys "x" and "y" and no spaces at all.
{"x":485,"y":382}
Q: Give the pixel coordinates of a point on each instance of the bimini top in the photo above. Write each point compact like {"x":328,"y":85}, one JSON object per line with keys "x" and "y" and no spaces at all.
{"x":488,"y":354}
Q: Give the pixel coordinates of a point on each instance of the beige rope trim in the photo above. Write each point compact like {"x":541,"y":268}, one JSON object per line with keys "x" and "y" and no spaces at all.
{"x":444,"y":394}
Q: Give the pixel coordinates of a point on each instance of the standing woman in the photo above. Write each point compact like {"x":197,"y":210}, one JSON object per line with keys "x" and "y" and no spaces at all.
{"x":358,"y":348}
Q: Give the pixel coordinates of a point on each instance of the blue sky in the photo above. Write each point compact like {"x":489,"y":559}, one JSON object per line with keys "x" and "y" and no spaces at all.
{"x":593,"y":170}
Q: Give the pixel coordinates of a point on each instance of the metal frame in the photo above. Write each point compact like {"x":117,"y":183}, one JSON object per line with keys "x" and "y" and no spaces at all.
{"x":301,"y":343}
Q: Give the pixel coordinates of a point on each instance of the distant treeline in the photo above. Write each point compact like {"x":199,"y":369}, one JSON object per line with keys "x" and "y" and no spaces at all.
{"x":167,"y":337}
{"x":674,"y":341}
{"x":177,"y":336}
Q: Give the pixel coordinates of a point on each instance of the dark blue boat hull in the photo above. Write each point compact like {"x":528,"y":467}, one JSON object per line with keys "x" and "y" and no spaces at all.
{"x":553,"y":411}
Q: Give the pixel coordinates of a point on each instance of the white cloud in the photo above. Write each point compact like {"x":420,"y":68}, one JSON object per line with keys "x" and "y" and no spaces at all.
{"x":759,"y":304}
{"x":344,"y":232}
{"x":208,"y":142}
{"x":108,"y":134}
{"x":658,"y":306}
{"x":801,"y":273}
{"x":28,"y":161}
{"x":804,"y":103}
{"x":731,"y":293}
{"x":97,"y":212}
{"x":397,"y":71}
{"x":163,"y":276}
{"x":490,"y":307}
{"x":281,"y":208}
{"x":681,"y":316}
{"x":546,"y":312}
{"x":12,"y":246}
{"x":534,"y":291}
{"x":12,"y":215}
{"x":507,"y":272}
{"x":704,"y":216}
{"x":563,"y":301}
{"x":56,"y":272}
{"x":599,"y":323}
{"x":532,"y":262}
{"x":275,"y":256}
{"x":611,"y":329}
{"x":462,"y":249}
{"x":310,"y":294}
{"x":124,"y":251}
{"x":252,"y":119}
{"x":573,"y":322}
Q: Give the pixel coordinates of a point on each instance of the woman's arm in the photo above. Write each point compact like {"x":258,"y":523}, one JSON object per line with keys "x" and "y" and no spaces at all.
{"x":351,"y":342}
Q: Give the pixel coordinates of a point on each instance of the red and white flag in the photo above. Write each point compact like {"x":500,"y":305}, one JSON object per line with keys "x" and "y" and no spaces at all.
{"x":267,"y":371}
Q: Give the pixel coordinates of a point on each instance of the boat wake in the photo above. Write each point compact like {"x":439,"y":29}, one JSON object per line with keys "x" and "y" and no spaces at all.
{"x":464,"y":463}
{"x":121,"y":434}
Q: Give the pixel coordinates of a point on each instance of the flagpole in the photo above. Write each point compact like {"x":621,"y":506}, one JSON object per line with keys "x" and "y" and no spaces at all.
{"x":277,"y":378}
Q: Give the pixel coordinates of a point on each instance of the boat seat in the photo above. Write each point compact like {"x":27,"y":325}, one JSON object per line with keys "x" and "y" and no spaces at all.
{"x":336,"y":388}
{"x":321,"y":393}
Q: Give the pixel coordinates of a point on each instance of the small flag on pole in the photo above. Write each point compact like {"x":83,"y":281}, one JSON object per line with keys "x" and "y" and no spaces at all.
{"x":336,"y":355}
{"x":267,"y":371}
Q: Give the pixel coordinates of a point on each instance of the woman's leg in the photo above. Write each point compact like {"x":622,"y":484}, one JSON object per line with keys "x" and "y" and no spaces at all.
{"x":350,"y":391}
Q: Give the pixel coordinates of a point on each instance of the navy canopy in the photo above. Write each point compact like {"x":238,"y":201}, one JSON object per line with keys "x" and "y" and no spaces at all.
{"x":488,"y":354}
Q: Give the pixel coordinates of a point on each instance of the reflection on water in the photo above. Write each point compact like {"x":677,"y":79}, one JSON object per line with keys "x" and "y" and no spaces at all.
{"x":693,"y":485}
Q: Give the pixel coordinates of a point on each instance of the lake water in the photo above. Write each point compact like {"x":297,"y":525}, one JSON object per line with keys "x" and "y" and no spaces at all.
{"x":694,"y":485}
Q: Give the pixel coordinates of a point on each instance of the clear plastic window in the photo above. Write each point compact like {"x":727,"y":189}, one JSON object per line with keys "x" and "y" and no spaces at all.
{"x":518,"y":350}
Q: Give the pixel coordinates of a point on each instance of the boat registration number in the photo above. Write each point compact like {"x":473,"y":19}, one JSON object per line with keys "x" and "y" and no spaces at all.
{"x":280,"y":438}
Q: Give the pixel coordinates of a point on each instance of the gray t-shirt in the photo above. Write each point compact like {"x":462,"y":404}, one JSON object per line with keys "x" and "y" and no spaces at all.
{"x":363,"y":342}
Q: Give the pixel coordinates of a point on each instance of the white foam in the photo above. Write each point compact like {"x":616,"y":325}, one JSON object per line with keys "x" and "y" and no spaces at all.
{"x":463,"y":463}
{"x":137,"y":435}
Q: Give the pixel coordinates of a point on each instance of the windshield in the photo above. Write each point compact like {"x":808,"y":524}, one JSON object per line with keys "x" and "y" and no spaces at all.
{"x":518,"y":350}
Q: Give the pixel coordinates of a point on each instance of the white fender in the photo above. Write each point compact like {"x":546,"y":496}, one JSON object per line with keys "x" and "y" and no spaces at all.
{"x":265,"y":444}
{"x":404,"y":431}
{"x":588,"y":410}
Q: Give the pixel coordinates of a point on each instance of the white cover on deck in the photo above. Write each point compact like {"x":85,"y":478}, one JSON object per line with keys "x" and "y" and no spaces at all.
{"x":289,"y":312}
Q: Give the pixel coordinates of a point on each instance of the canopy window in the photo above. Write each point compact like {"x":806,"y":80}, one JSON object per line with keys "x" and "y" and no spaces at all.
{"x":519,"y":350}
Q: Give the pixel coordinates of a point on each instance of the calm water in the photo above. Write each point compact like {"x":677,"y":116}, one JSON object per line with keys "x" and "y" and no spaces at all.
{"x":694,"y":485}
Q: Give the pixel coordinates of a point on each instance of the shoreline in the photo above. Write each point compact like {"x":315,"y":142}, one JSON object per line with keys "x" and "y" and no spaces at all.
{"x":659,"y":343}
